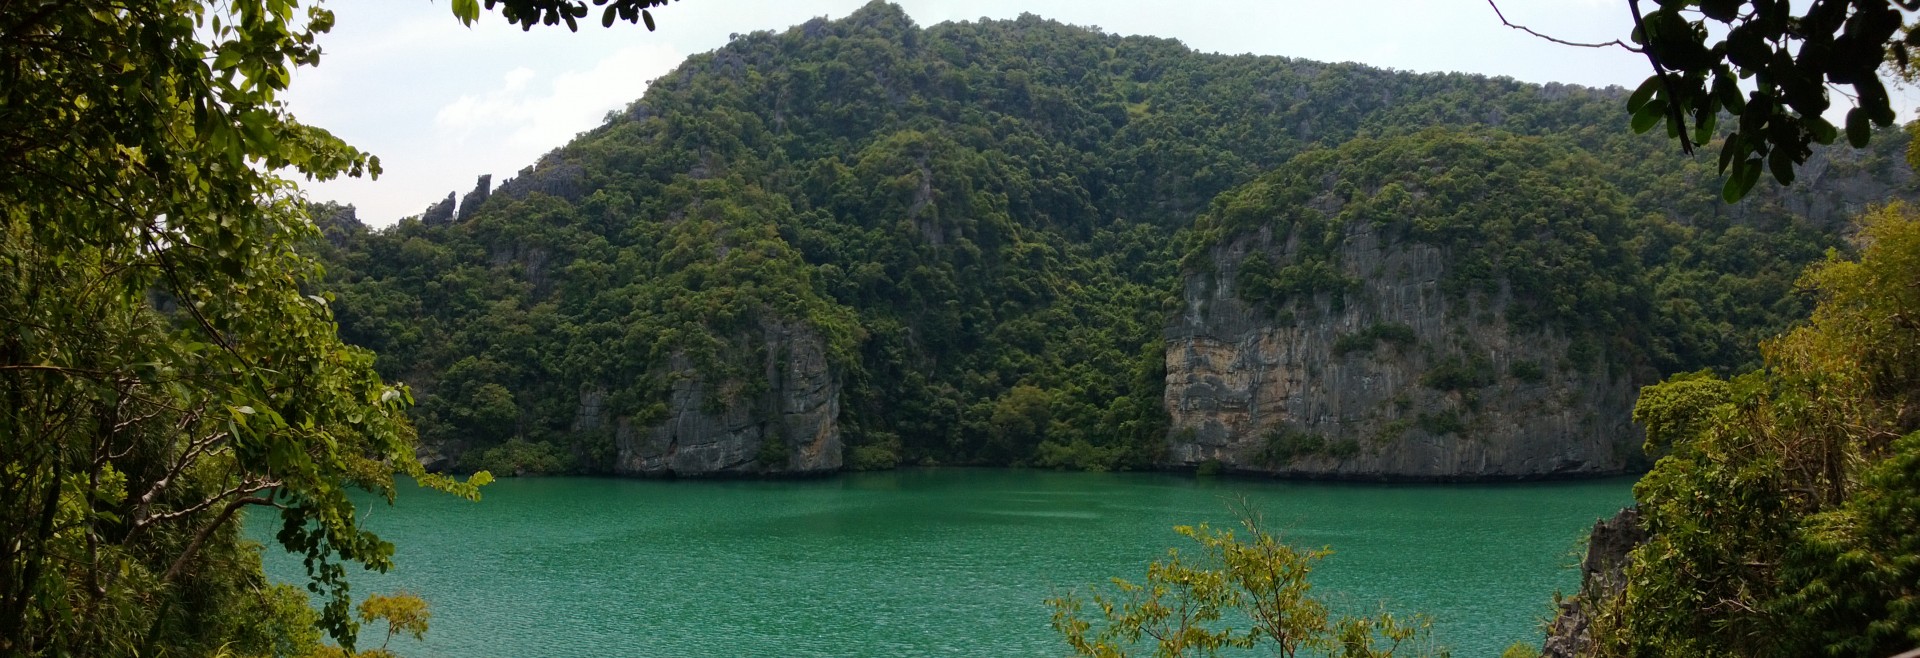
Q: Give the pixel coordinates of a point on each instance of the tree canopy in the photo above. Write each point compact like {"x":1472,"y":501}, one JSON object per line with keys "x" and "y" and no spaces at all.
{"x":1782,"y":518}
{"x":1702,"y":53}
{"x":988,"y":221}
{"x":165,"y":361}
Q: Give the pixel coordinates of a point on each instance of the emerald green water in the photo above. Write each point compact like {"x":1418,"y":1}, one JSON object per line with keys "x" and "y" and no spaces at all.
{"x":934,"y":562}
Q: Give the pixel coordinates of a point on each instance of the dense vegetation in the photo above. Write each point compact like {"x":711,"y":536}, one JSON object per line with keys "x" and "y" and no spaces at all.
{"x":1785,"y":517}
{"x":985,"y":222}
{"x":981,"y":223}
{"x":1247,"y":592}
{"x":161,"y":365}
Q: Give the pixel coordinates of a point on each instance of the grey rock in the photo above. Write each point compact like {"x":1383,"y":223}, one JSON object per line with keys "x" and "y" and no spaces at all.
{"x":552,"y":176}
{"x":471,"y":203}
{"x":1236,"y":375}
{"x":1603,"y":575}
{"x":337,"y":223}
{"x":712,"y":428}
{"x":439,"y":213}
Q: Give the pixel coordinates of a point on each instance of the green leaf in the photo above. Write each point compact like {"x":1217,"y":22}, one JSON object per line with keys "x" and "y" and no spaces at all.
{"x":1649,"y":115}
{"x":1740,"y":181}
{"x":1643,"y":93}
{"x":1728,"y":91}
{"x":229,"y":55}
{"x":467,"y":11}
{"x":1859,"y":133}
{"x":1734,"y":149}
{"x":1823,"y":132}
{"x":1782,"y":165}
{"x":1705,"y":126}
{"x":1730,"y":190}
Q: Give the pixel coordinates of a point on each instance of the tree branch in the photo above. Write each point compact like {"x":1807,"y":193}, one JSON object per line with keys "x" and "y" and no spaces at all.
{"x":1673,"y":102}
{"x":199,"y":539}
{"x":243,"y":489}
{"x":1563,"y":42}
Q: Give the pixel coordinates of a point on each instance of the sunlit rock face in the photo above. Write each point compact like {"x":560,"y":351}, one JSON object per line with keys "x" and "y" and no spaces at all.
{"x":1304,"y":393}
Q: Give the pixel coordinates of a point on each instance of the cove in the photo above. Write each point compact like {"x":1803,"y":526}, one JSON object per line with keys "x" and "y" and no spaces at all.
{"x":923,"y":562}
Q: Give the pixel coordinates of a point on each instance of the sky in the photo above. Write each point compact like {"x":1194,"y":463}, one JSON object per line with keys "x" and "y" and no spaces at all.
{"x":441,"y":103}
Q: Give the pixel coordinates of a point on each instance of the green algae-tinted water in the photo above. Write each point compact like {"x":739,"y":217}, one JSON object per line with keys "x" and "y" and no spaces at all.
{"x":934,"y":562}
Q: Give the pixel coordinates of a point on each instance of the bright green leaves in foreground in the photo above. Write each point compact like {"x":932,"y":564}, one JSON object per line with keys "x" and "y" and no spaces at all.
{"x":400,"y":612}
{"x":1236,"y":593}
{"x":162,"y":365}
{"x":1784,"y":518}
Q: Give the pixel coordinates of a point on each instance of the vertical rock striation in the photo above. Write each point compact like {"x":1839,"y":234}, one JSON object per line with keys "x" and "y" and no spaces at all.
{"x":1311,"y":396}
{"x":722,"y":426}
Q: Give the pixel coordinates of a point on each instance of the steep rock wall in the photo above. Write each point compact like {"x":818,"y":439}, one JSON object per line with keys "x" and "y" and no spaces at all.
{"x":782,"y":420}
{"x":1266,"y":393}
{"x":1603,"y":577}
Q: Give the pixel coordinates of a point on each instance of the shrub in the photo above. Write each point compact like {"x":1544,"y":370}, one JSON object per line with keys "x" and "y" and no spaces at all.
{"x":1526,"y":371}
{"x":1443,"y":423}
{"x":1365,"y":340}
{"x":1457,"y":374}
{"x":519,"y":457}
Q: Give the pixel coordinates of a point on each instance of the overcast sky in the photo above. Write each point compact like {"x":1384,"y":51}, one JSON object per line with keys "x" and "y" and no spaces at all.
{"x":441,"y":103}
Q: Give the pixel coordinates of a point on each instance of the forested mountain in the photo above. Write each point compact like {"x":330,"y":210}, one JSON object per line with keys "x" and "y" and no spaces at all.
{"x":861,"y":243}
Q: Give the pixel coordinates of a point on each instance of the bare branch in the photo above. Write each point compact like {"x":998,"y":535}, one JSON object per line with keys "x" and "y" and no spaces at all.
{"x":243,"y":489}
{"x":1563,"y":42}
{"x":186,"y":556}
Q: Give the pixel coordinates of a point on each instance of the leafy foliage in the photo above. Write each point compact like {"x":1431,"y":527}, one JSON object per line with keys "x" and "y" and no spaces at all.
{"x":163,"y":363}
{"x":1781,"y":519}
{"x":1567,"y":232}
{"x":973,"y":208}
{"x":526,"y":13}
{"x":1189,"y":606}
{"x":1790,"y":60}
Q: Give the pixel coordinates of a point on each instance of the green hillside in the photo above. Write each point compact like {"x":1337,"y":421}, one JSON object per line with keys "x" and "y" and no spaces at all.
{"x":985,"y":226}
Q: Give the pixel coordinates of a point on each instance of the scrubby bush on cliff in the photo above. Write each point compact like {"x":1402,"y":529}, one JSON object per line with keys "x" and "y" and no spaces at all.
{"x":1785,"y":518}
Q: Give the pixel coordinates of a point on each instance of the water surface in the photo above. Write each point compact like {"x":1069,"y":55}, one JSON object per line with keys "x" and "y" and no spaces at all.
{"x":948,"y":562}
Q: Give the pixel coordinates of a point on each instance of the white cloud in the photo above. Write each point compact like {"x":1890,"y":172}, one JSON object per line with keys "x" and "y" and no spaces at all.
{"x":536,"y":116}
{"x":441,"y":103}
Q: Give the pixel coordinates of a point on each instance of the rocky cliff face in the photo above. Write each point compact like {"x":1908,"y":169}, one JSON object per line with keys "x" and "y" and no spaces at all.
{"x":1397,"y":380}
{"x":1603,"y":576}
{"x":784,"y":420}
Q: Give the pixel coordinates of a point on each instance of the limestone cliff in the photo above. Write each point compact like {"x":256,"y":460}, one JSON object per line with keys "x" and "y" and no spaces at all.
{"x":783,"y":420}
{"x":1318,"y":397}
{"x":1603,"y":576}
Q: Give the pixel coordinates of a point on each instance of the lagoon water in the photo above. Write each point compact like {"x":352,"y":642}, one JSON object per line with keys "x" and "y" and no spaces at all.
{"x":941,"y":562}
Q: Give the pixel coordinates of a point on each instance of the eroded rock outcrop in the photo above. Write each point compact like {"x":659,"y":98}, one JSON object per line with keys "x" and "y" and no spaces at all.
{"x":1361,"y":390}
{"x":786,"y":423}
{"x":1603,"y":575}
{"x":471,"y":203}
{"x":440,"y":213}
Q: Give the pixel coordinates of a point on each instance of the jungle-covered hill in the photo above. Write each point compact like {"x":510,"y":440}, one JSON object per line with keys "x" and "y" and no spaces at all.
{"x":862,"y":243}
